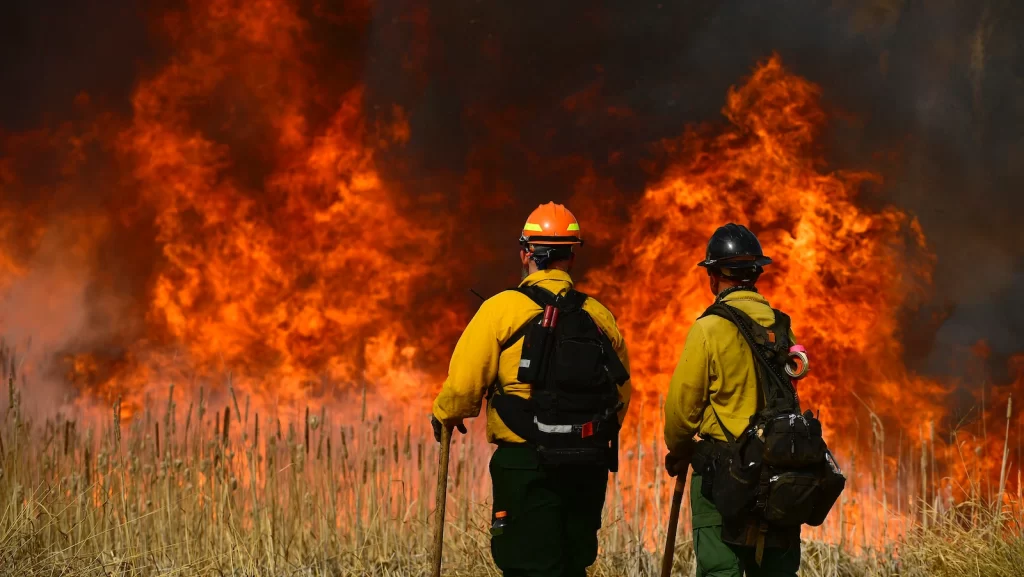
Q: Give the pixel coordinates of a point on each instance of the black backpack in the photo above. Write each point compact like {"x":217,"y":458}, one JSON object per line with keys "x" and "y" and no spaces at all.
{"x":571,"y":416}
{"x":779,"y":472}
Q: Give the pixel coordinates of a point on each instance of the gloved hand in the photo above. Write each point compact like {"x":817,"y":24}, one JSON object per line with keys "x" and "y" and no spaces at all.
{"x":438,"y":426}
{"x":677,"y":462}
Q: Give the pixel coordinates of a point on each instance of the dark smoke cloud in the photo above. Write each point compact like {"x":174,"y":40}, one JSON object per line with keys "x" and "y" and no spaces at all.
{"x":513,"y":104}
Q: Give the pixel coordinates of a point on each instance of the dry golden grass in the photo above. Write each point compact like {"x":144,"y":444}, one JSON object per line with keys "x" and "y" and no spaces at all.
{"x":224,"y":492}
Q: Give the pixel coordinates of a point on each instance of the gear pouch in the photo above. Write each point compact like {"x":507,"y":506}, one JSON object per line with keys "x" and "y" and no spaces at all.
{"x":792,"y":496}
{"x":832,"y":484}
{"x":737,"y":476}
{"x":793,"y":441}
{"x":534,"y":340}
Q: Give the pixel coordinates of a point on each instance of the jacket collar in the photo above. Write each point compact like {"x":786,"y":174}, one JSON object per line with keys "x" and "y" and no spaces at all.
{"x":744,"y":295}
{"x":547,"y":275}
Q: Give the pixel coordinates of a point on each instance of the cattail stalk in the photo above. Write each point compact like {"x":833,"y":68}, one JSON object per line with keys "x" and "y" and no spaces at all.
{"x":169,"y":420}
{"x":1006,"y":455}
{"x":227,"y":424}
{"x":117,"y":423}
{"x":924,"y":480}
{"x":234,"y":399}
{"x":364,"y":403}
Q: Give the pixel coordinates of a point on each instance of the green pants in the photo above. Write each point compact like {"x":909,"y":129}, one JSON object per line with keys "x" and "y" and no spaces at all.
{"x":553,"y":515}
{"x":716,"y":558}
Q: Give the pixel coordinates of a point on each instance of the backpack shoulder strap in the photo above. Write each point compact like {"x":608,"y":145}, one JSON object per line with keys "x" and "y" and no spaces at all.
{"x":729,"y":436}
{"x":761,"y":335}
{"x":776,"y":388}
{"x":572,"y":301}
{"x":541,"y":297}
{"x":782,"y":325}
{"x":518,"y":334}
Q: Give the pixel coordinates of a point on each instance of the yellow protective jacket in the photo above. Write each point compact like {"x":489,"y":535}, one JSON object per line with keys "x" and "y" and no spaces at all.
{"x":716,"y":370}
{"x":478,"y":360}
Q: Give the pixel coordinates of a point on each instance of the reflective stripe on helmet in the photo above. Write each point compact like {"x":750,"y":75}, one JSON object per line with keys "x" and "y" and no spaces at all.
{"x":553,"y":224}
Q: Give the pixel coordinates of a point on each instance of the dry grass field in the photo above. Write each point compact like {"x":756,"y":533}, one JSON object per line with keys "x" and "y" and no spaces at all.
{"x":203,"y":490}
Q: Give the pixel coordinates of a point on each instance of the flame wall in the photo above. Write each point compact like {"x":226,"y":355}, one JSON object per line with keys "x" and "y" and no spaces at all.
{"x":299,"y":194}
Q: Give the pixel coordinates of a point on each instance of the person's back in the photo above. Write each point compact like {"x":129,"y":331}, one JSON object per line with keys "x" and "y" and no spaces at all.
{"x":716,"y":383}
{"x":732,"y":377}
{"x":549,"y":472}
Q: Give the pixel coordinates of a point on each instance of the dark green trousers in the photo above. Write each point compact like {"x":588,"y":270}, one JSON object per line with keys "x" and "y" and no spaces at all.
{"x":715,"y":558}
{"x":553,"y":515}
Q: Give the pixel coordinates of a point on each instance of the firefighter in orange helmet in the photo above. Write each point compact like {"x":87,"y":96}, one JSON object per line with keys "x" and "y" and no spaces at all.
{"x":549,"y":235}
{"x":550,"y":469}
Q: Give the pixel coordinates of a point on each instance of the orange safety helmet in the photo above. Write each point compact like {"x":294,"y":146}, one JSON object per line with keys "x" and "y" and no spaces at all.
{"x":551,"y":224}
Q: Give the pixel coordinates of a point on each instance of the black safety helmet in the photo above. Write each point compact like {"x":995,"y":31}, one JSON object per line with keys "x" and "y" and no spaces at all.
{"x":733,"y":246}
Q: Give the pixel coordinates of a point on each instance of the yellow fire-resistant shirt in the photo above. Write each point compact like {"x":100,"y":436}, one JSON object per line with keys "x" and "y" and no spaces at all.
{"x":716,"y":369}
{"x":478,"y":360}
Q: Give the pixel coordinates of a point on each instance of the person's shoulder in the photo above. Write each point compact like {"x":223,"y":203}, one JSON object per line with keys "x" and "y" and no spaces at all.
{"x":596,"y":309}
{"x":505,"y":300}
{"x":603,"y":316}
{"x":708,"y":325}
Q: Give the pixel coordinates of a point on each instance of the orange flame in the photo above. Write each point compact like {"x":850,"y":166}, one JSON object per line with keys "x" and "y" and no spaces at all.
{"x":842,"y":272}
{"x":283,"y":256}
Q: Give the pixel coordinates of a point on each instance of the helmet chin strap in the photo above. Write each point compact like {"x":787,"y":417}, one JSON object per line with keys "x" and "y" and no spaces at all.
{"x":543,"y":256}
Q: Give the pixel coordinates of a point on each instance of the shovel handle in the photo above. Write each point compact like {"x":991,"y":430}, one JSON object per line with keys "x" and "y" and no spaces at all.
{"x":441,"y":499}
{"x":673,"y":525}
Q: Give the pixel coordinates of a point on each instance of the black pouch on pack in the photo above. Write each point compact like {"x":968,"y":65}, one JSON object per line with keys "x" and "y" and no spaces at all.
{"x":737,"y":476}
{"x":534,"y":339}
{"x":707,"y":486}
{"x":805,"y":496}
{"x":701,"y":453}
{"x":832,"y":484}
{"x":793,"y":441}
{"x":797,"y":481}
{"x":703,"y":463}
{"x":792,"y":496}
{"x":579,"y":359}
{"x":617,"y":372}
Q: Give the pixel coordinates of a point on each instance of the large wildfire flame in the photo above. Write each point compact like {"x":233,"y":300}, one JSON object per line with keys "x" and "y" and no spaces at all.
{"x":277,"y":252}
{"x":843,"y":273}
{"x":283,"y":258}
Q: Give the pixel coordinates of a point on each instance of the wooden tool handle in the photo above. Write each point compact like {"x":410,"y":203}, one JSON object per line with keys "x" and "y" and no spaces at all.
{"x":441,"y":499}
{"x":673,"y":525}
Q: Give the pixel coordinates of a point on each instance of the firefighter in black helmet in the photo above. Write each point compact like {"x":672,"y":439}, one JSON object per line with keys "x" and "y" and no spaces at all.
{"x":734,"y":253}
{"x":713,"y":393}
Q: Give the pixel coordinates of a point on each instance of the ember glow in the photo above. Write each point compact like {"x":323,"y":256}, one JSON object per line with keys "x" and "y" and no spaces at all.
{"x":267,"y":244}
